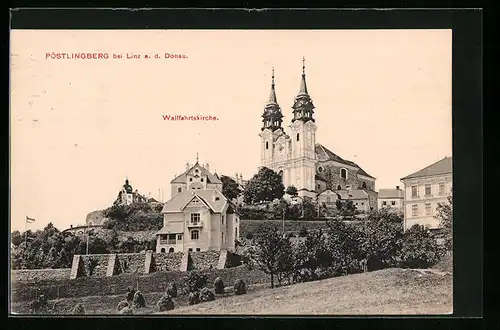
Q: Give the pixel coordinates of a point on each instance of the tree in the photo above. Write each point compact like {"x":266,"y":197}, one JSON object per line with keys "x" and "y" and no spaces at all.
{"x":230,"y":188}
{"x":265,"y":186}
{"x":420,"y":249}
{"x":445,"y":215}
{"x":271,"y":253}
{"x":346,"y":207}
{"x":309,"y":209}
{"x":16,"y":238}
{"x":292,"y":191}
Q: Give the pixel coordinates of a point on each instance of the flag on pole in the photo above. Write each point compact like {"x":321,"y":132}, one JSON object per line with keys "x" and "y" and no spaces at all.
{"x":29,"y":220}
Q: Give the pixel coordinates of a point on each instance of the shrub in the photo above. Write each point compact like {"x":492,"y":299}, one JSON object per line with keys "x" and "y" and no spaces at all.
{"x":303,"y":275}
{"x":420,"y":249}
{"x":78,"y":310}
{"x":194,"y":298}
{"x":126,"y":311}
{"x":206,"y":295}
{"x":139,"y":300}
{"x":130,"y":294}
{"x":172,"y":290}
{"x":122,"y":304}
{"x":290,"y":234}
{"x":165,"y":304}
{"x":320,"y":273}
{"x":303,"y":232}
{"x":249,"y":235}
{"x":239,"y":287}
{"x":219,"y":286}
{"x":35,"y":306}
{"x":195,"y":281}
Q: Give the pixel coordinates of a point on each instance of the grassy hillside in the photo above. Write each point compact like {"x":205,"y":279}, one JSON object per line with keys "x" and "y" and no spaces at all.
{"x":389,"y":291}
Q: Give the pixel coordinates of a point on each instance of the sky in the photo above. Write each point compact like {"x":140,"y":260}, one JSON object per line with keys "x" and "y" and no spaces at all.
{"x":79,"y":127}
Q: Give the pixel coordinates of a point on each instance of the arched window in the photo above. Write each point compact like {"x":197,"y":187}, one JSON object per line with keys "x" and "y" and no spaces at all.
{"x":364,"y":185}
{"x":339,"y":187}
{"x":195,"y":234}
{"x":281,"y":174}
{"x":171,"y":250}
{"x":298,"y":137}
{"x":267,"y":145}
{"x":343,"y":173}
{"x":162,"y":250}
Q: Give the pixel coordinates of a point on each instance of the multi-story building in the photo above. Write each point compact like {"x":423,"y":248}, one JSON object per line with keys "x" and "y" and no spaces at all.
{"x":391,"y":198}
{"x":127,"y":195}
{"x":198,"y":217}
{"x":308,"y":166}
{"x":424,"y":189}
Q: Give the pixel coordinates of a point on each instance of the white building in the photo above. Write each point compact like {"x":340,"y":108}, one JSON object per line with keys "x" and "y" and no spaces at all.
{"x":424,"y":189}
{"x":391,"y":198}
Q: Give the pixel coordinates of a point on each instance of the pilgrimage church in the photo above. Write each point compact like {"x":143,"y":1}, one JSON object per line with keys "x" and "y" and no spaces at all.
{"x":302,"y":162}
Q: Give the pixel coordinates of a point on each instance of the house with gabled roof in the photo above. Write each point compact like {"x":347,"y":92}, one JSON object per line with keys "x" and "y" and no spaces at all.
{"x":424,"y":189}
{"x":198,"y":217}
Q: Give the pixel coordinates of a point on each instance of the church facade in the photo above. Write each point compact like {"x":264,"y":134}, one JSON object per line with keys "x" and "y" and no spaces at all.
{"x":302,"y":162}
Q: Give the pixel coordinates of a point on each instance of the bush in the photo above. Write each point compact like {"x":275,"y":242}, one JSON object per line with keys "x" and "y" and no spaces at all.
{"x":303,"y":232}
{"x":122,"y":304}
{"x":194,"y":298}
{"x":195,"y":281}
{"x":139,"y":300}
{"x":206,"y":295}
{"x":165,"y":304}
{"x":126,"y":311}
{"x":219,"y":286}
{"x":290,"y":235}
{"x":249,"y":235}
{"x":320,"y":273}
{"x":172,"y":290}
{"x":239,"y":287}
{"x":78,"y":310}
{"x":130,"y":294}
{"x":420,"y":249}
{"x":35,"y":306}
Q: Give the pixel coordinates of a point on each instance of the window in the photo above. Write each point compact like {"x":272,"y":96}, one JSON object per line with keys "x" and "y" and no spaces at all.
{"x":298,"y":137}
{"x":162,"y":250}
{"x":441,"y":188}
{"x":222,"y":237}
{"x":384,"y":203}
{"x":201,"y":179}
{"x":267,"y":145}
{"x":222,"y":219}
{"x":393,"y":202}
{"x":427,"y":190}
{"x":198,"y":249}
{"x":235,"y":232}
{"x":364,"y":185}
{"x":319,"y":186}
{"x":217,"y":198}
{"x":414,"y":191}
{"x":171,"y":250}
{"x":343,"y":173}
{"x":339,"y":187}
{"x":179,"y":237}
{"x":428,"y":209}
{"x":362,"y":203}
{"x":179,"y":189}
{"x":195,"y":234}
{"x":196,"y":171}
{"x":190,"y":179}
{"x":320,"y":169}
{"x":195,"y":218}
{"x":190,"y":250}
{"x":414,"y":210}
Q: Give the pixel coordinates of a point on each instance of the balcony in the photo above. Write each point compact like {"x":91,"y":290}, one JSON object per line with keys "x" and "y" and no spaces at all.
{"x":168,"y":241}
{"x":194,"y":224}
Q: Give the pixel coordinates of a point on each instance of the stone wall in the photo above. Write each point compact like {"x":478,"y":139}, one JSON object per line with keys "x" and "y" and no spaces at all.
{"x":34,"y":275}
{"x":167,"y":261}
{"x":131,"y":263}
{"x":117,"y":285}
{"x":204,"y":260}
{"x":95,"y":265}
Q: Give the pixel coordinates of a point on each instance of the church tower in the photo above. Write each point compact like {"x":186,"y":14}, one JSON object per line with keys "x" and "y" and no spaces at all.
{"x":272,"y":119}
{"x":303,"y":139}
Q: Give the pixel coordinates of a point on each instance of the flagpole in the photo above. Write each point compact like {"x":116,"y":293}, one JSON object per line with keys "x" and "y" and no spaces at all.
{"x":26,"y":230}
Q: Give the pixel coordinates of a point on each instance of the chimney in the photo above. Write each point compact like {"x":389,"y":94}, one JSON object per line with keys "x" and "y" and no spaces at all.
{"x":187,"y":166}
{"x":207,"y":167}
{"x":397,"y":187}
{"x":70,"y":226}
